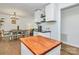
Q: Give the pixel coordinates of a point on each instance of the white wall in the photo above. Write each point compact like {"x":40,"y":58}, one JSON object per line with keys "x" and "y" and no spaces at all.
{"x":22,"y":22}
{"x":70,"y":26}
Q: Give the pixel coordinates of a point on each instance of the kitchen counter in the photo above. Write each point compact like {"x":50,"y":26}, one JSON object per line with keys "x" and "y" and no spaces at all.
{"x":39,"y":45}
{"x":42,"y":31}
{"x":45,"y":31}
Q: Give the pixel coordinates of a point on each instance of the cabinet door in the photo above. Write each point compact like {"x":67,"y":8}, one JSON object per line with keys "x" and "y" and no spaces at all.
{"x":38,"y":16}
{"x":55,"y":51}
{"x":49,"y":12}
{"x":48,"y":34}
{"x":25,"y":50}
{"x":35,"y":33}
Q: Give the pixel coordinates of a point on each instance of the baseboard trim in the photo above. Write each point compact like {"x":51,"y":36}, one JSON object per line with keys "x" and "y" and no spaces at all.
{"x":71,"y":45}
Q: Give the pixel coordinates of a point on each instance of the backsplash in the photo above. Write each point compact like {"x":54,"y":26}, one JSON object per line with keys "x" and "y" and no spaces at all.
{"x":47,"y":26}
{"x":51,"y":26}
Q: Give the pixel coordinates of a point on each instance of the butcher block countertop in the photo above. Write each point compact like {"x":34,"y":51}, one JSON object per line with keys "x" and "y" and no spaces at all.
{"x":39,"y":45}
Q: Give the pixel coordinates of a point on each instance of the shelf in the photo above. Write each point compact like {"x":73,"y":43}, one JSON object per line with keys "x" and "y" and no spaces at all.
{"x":45,"y":22}
{"x":48,"y":21}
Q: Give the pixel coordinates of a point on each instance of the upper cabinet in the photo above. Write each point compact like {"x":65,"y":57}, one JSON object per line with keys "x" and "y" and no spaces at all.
{"x":47,"y":14}
{"x":37,"y":16}
{"x":50,"y":12}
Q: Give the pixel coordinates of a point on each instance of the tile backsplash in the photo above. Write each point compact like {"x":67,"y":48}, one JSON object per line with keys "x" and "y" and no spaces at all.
{"x":47,"y":26}
{"x":51,"y":26}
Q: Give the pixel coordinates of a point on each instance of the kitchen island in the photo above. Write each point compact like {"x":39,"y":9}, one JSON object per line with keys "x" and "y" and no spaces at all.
{"x":39,"y":45}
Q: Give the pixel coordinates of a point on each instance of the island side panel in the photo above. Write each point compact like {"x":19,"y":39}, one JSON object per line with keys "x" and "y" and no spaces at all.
{"x":55,"y":51}
{"x":25,"y":50}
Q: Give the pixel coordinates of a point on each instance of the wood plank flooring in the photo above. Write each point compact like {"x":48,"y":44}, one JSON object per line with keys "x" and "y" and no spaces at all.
{"x":69,"y":50}
{"x":10,"y":47}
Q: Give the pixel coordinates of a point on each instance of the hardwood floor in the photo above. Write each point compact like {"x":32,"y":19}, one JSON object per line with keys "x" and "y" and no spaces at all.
{"x":63,"y":52}
{"x":10,"y":47}
{"x":69,"y":50}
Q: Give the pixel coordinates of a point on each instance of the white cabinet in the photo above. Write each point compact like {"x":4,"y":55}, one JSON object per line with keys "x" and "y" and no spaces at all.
{"x":50,"y":12}
{"x":25,"y":50}
{"x":46,"y":34}
{"x":55,"y":51}
{"x":37,"y":16}
{"x":35,"y":33}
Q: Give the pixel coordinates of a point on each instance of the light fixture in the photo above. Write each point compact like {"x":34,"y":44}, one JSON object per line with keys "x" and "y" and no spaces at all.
{"x":14,"y":18}
{"x":1,"y":22}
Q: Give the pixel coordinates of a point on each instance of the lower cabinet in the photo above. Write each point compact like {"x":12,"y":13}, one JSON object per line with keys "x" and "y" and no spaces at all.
{"x":45,"y":34}
{"x":55,"y":51}
{"x":25,"y":50}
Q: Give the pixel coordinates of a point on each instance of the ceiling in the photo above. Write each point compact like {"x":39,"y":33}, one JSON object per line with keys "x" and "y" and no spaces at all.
{"x":21,"y":9}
